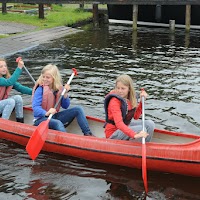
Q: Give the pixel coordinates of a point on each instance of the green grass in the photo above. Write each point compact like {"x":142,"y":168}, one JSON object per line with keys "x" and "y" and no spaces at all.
{"x":58,"y":16}
{"x":3,"y":36}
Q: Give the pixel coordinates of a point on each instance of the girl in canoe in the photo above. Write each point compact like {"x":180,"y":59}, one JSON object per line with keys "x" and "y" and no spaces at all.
{"x":7,"y":83}
{"x":46,"y":93}
{"x":122,"y":112}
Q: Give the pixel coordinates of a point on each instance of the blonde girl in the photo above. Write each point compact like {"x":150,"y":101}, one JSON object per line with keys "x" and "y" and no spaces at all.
{"x":122,"y":112}
{"x":46,"y":93}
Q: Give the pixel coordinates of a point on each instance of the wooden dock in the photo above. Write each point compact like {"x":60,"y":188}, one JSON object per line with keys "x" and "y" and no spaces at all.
{"x":150,"y":24}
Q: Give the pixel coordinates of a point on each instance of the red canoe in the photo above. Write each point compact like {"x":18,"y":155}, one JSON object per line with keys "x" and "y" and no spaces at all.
{"x":169,"y":151}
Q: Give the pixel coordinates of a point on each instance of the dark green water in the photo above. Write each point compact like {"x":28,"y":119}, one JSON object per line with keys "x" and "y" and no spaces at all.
{"x":166,"y":65}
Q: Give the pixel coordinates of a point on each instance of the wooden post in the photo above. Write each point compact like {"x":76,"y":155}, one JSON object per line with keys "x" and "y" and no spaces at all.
{"x":187,"y":18}
{"x":172,"y":25}
{"x":158,"y":14}
{"x":4,"y":8}
{"x":95,"y":15}
{"x":41,"y":11}
{"x":135,"y":17}
{"x":81,"y":6}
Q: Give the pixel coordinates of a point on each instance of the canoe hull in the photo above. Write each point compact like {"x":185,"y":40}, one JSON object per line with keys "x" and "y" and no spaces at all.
{"x":172,"y":158}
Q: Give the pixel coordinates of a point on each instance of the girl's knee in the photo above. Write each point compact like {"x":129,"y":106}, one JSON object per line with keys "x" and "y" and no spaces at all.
{"x":60,"y":126}
{"x":150,"y":124}
{"x":18,"y":98}
{"x":11,"y":102}
{"x":78,"y":109}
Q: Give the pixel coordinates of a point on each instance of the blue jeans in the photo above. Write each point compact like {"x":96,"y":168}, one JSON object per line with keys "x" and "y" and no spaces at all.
{"x":7,"y":106}
{"x":61,"y":118}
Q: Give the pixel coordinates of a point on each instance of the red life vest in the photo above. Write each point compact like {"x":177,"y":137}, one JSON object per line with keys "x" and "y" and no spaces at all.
{"x":49,"y":98}
{"x":4,"y":92}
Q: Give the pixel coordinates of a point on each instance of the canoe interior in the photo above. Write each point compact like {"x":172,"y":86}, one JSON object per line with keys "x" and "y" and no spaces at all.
{"x":96,"y":125}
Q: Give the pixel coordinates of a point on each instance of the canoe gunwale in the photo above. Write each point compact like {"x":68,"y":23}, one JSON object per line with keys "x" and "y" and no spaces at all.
{"x":68,"y":140}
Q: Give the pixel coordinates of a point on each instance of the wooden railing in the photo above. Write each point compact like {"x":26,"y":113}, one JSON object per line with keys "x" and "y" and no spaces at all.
{"x":119,"y":2}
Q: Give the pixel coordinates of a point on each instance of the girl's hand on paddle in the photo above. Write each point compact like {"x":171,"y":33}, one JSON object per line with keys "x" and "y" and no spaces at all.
{"x":67,"y":87}
{"x":141,"y":134}
{"x":20,"y":63}
{"x":51,"y":111}
{"x":143,"y":93}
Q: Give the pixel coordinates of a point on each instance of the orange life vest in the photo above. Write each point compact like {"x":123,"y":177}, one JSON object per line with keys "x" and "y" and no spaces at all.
{"x":49,"y":98}
{"x":4,"y":92}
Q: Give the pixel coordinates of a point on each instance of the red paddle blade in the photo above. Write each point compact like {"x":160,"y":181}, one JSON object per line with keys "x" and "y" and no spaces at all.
{"x":144,"y":168}
{"x":37,"y":140}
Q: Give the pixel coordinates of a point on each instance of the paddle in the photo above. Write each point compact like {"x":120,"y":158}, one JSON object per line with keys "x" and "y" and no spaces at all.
{"x":38,"y":137}
{"x":144,"y":167}
{"x":17,"y":60}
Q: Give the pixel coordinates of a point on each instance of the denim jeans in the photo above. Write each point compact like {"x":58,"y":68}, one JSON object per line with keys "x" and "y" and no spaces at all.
{"x":7,"y":106}
{"x":63,"y":117}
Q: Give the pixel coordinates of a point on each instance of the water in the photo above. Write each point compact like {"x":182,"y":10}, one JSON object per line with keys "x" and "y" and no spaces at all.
{"x":166,"y":65}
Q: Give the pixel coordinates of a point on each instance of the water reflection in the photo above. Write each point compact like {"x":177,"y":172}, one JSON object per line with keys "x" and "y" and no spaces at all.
{"x":166,"y":65}
{"x":134,"y":40}
{"x":54,"y":176}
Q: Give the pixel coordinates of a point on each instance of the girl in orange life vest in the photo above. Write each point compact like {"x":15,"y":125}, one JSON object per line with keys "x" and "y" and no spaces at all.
{"x":121,"y":109}
{"x":7,"y":82}
{"x":46,"y":92}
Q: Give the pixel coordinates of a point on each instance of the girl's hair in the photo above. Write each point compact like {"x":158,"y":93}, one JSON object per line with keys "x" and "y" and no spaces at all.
{"x":54,"y":72}
{"x":127,"y":81}
{"x":8,"y":73}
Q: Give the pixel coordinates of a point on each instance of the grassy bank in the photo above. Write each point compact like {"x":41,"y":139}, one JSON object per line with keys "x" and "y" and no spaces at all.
{"x":57,"y":16}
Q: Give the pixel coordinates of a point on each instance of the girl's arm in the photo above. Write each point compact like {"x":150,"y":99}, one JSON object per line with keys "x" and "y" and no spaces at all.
{"x":38,"y":111}
{"x":138,"y":111}
{"x":65,"y":102}
{"x":115,"y":110}
{"x":12,"y":80}
{"x":23,"y":89}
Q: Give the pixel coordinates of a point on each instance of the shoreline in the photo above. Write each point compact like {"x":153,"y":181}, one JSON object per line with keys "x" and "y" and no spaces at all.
{"x":27,"y":40}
